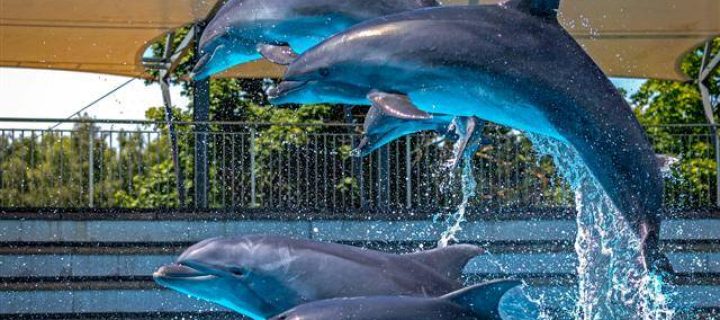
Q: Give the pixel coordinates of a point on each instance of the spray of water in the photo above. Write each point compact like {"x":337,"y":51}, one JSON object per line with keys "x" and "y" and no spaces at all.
{"x":518,"y":305}
{"x":613,"y":281}
{"x":455,"y":220}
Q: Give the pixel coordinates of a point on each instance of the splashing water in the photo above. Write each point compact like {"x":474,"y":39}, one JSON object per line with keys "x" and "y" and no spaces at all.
{"x":613,"y":281}
{"x":520,"y":304}
{"x":455,"y":220}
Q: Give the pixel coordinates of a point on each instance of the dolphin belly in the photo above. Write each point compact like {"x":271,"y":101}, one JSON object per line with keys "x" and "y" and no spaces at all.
{"x":303,"y":33}
{"x":487,"y":105}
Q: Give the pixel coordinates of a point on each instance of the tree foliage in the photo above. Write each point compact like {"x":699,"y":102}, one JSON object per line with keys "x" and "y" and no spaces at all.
{"x":663,"y":107}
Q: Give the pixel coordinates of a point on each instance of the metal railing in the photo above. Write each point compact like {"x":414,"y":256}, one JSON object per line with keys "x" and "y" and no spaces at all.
{"x":301,"y":167}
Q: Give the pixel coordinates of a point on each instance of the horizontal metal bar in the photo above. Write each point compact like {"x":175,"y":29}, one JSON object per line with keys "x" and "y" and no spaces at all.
{"x":255,"y":124}
{"x":148,"y":122}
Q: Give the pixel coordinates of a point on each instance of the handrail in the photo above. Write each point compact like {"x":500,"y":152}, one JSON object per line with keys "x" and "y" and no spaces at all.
{"x":150,"y":122}
{"x":255,"y":124}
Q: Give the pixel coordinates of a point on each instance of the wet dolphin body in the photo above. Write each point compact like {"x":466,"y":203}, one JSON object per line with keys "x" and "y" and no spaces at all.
{"x":243,"y":30}
{"x":472,"y":303}
{"x":381,"y":128}
{"x":511,"y":64}
{"x":261,"y":276}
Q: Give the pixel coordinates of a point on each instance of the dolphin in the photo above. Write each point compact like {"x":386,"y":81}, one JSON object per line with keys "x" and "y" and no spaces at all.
{"x":512,"y":64}
{"x":261,"y":276}
{"x":477,"y":302}
{"x":246,"y":30}
{"x":381,"y":128}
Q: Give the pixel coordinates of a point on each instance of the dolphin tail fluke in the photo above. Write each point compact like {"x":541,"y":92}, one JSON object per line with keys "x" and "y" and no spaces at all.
{"x":483,"y":299}
{"x":449,"y":261}
{"x":656,"y":261}
{"x":278,"y":54}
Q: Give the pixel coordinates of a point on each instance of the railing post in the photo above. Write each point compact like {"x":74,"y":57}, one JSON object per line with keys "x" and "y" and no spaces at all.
{"x":253,"y":178}
{"x":383,"y":170}
{"x":91,"y":167}
{"x":716,"y":139}
{"x":707,"y":66}
{"x":408,"y":172}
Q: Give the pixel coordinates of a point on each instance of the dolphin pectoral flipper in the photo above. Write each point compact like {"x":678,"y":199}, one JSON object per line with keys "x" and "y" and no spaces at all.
{"x":279,"y":54}
{"x":469,"y":131}
{"x":199,"y":71}
{"x":364,"y":148}
{"x":483,"y":299}
{"x":449,"y":261}
{"x":397,"y":105}
{"x":373,"y":119}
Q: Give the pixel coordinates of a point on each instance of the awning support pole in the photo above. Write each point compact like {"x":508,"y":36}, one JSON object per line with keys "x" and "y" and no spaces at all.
{"x":168,"y":64}
{"x":708,"y":66}
{"x":201,"y":115}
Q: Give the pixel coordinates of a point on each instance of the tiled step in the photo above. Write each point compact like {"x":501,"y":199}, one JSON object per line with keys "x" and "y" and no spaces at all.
{"x":135,"y":231}
{"x":94,"y":265}
{"x":157,"y":300}
{"x":97,"y":268}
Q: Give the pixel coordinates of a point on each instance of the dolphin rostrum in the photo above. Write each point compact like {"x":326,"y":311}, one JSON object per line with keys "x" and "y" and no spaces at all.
{"x":512,"y":64}
{"x":261,"y":276}
{"x":477,"y":302}
{"x":246,"y":30}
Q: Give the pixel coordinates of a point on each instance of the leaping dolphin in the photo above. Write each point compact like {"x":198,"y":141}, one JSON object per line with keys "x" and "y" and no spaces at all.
{"x":261,"y":276}
{"x":511,"y":64}
{"x":472,"y":303}
{"x":245,"y":30}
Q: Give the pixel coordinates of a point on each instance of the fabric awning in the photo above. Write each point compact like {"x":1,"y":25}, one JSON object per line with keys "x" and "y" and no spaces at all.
{"x":628,"y":38}
{"x":105,"y":36}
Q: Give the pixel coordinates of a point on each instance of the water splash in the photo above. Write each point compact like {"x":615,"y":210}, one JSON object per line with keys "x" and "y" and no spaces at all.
{"x":518,"y":304}
{"x":455,"y":220}
{"x":613,"y":280}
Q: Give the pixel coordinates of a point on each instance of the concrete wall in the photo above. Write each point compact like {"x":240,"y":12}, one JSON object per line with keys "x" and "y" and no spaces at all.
{"x":103,"y":266}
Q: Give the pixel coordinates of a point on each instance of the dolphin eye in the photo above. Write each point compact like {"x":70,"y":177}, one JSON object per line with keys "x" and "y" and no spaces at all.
{"x":236,"y":272}
{"x":324,"y":72}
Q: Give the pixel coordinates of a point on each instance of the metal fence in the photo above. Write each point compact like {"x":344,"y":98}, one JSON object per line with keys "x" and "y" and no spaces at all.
{"x":300,"y":167}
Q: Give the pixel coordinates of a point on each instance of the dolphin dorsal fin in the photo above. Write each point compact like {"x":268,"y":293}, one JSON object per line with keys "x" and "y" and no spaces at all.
{"x":483,"y":299}
{"x":449,"y":261}
{"x":540,"y":8}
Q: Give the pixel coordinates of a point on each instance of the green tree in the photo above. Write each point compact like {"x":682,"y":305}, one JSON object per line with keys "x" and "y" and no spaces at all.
{"x":154,"y":183}
{"x":660,"y":104}
{"x":50,"y":169}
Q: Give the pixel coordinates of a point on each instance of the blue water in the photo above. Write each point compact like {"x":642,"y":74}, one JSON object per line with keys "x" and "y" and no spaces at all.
{"x":454,"y":220}
{"x":613,"y":280}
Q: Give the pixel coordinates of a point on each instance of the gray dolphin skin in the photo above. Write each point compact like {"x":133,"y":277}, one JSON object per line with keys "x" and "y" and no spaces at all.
{"x":261,"y":276}
{"x":246,"y":30}
{"x":472,"y":303}
{"x":512,"y":64}
{"x":381,"y":129}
